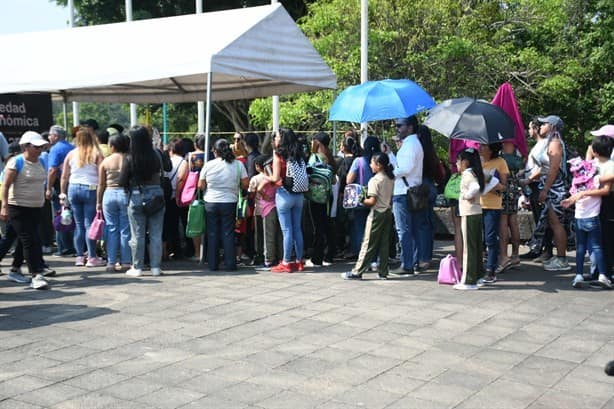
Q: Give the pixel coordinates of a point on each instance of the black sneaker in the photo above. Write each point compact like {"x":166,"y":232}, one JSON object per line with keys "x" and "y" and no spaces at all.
{"x":490,"y":278}
{"x":47,"y":272}
{"x":403,"y":272}
{"x":348,"y":275}
{"x":530,"y":255}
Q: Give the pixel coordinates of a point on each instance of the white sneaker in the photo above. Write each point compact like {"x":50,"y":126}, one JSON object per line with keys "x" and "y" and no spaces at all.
{"x":156,"y":271}
{"x":465,"y":287}
{"x":557,"y":264}
{"x":134,"y":272}
{"x":480,"y":283}
{"x":604,"y":282}
{"x":310,"y":264}
{"x":39,"y":282}
{"x":374,"y":266}
{"x":327,"y":263}
{"x":577,"y":281}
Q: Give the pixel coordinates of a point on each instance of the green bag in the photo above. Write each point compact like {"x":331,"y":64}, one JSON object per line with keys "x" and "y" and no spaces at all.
{"x":195,"y":226}
{"x":452,"y":190}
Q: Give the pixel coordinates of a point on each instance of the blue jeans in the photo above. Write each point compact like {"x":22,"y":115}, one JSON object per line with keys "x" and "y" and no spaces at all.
{"x":115,"y":208}
{"x":588,"y":237}
{"x":290,"y":210}
{"x":220,"y":222}
{"x":491,"y":220}
{"x":425,"y":227}
{"x":82,"y":200}
{"x":141,"y":224}
{"x":406,"y":230}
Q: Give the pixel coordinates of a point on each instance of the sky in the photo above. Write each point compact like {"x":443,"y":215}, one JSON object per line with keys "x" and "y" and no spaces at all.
{"x":18,"y":16}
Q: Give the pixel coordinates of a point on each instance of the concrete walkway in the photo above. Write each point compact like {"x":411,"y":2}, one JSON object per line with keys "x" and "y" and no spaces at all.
{"x":192,"y":339}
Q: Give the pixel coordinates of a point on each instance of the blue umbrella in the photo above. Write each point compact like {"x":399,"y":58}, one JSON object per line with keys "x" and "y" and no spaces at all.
{"x":379,"y":100}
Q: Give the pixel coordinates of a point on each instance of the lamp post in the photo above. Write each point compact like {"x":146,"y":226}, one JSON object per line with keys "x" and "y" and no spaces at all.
{"x":133,"y":115}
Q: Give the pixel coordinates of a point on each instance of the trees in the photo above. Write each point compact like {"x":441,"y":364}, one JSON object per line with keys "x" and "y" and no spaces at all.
{"x":556,"y":53}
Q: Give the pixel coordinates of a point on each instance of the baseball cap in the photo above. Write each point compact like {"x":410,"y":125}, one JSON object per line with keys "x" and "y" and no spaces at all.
{"x":553,"y":120}
{"x":605,"y":130}
{"x":90,"y":123}
{"x":33,"y":138}
{"x":322,"y":137}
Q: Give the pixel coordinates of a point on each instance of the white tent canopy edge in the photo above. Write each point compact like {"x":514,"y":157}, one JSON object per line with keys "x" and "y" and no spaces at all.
{"x":249,"y":53}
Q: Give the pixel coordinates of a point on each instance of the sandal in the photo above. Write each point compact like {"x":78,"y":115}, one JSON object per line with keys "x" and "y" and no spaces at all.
{"x":502,"y":267}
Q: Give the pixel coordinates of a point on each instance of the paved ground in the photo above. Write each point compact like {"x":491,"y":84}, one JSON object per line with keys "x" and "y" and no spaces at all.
{"x":256,"y":340}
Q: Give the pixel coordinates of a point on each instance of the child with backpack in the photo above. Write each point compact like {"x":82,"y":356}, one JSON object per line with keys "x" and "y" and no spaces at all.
{"x":471,"y":186}
{"x":379,"y":221}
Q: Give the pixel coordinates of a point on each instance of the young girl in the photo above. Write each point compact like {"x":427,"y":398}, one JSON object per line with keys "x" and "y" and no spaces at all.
{"x":379,"y":221}
{"x":472,"y":184}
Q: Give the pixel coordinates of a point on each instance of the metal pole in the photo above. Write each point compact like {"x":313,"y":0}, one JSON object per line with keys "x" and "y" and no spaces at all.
{"x":275,"y":102}
{"x":364,"y":53}
{"x":65,"y":114}
{"x":133,"y":113}
{"x":208,"y":115}
{"x":165,"y":123}
{"x":71,"y":23}
{"x":200,"y":104}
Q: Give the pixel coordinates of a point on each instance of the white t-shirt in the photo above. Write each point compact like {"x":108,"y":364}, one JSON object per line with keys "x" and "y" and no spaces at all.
{"x":223,"y":180}
{"x":408,"y":165}
{"x":589,"y":206}
{"x":172,"y":175}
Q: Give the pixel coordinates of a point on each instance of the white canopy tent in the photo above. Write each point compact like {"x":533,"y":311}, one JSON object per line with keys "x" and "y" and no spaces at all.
{"x":235,"y":54}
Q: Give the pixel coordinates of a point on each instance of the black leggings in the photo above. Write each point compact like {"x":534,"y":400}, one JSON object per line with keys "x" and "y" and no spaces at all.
{"x":25,"y":221}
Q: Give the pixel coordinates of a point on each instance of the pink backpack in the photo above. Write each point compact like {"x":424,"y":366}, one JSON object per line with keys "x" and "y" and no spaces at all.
{"x":449,"y":272}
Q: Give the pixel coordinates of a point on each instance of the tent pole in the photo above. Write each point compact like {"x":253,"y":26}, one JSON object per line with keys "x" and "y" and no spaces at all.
{"x":275,"y":101}
{"x":208,"y":115}
{"x":71,"y":23}
{"x":65,"y":114}
{"x":207,"y":131}
{"x":133,"y":114}
{"x":200,"y":106}
{"x":165,"y":123}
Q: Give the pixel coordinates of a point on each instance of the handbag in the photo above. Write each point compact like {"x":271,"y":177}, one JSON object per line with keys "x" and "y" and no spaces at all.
{"x":188,"y":192}
{"x":242,"y":202}
{"x":417,"y":197}
{"x":449,"y":272}
{"x":452,"y":189}
{"x":195,"y":226}
{"x":96,"y":230}
{"x":63,"y":220}
{"x":153,"y":205}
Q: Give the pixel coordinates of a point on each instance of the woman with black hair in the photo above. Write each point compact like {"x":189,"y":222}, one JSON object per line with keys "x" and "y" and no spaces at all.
{"x":290,"y":175}
{"x":323,"y":237}
{"x":112,"y":200}
{"x":141,"y":176}
{"x":360,"y":172}
{"x":221,"y":179}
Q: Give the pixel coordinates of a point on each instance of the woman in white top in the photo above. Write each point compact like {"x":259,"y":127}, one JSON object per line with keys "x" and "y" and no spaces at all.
{"x":80,"y":180}
{"x":221,"y":178}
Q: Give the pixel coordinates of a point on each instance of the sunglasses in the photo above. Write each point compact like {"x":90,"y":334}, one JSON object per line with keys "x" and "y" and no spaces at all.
{"x":398,"y":125}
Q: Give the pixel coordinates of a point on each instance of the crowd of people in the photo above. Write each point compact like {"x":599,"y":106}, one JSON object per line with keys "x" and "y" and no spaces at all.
{"x":290,"y":222}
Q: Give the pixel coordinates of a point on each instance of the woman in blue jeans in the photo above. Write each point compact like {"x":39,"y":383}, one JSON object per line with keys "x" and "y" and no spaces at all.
{"x":141,"y":177}
{"x":112,"y":199}
{"x":80,"y":179}
{"x":290,"y":175}
{"x":221,"y":178}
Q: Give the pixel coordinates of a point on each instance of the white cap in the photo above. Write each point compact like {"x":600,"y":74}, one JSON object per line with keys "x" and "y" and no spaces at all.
{"x":34,"y":138}
{"x":605,"y":130}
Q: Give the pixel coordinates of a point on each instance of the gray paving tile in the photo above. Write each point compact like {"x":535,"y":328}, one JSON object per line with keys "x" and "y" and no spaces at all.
{"x":52,"y":394}
{"x":95,"y":380}
{"x":370,"y":398}
{"x":92,"y":400}
{"x":21,"y":384}
{"x":536,"y":370}
{"x":169,"y":397}
{"x":15,"y":404}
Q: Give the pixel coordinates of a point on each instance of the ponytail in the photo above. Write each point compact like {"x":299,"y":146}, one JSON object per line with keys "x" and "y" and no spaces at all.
{"x":222,"y":150}
{"x":384,"y":161}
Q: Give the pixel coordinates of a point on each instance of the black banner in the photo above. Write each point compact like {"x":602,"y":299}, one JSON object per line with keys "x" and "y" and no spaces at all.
{"x":24,"y":112}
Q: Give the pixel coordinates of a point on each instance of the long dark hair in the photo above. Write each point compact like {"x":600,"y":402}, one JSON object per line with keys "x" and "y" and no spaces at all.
{"x":289,"y":146}
{"x":371,"y":147}
{"x":473,"y":157}
{"x":145,"y":161}
{"x":429,"y":163}
{"x":384,"y":161}
{"x":351,"y":145}
{"x":222,"y":149}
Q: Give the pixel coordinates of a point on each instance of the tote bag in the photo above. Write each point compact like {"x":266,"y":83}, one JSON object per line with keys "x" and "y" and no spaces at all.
{"x":195,"y":226}
{"x":96,"y":230}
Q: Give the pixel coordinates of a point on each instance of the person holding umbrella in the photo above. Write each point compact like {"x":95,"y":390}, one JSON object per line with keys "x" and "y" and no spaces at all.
{"x":407,"y":173}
